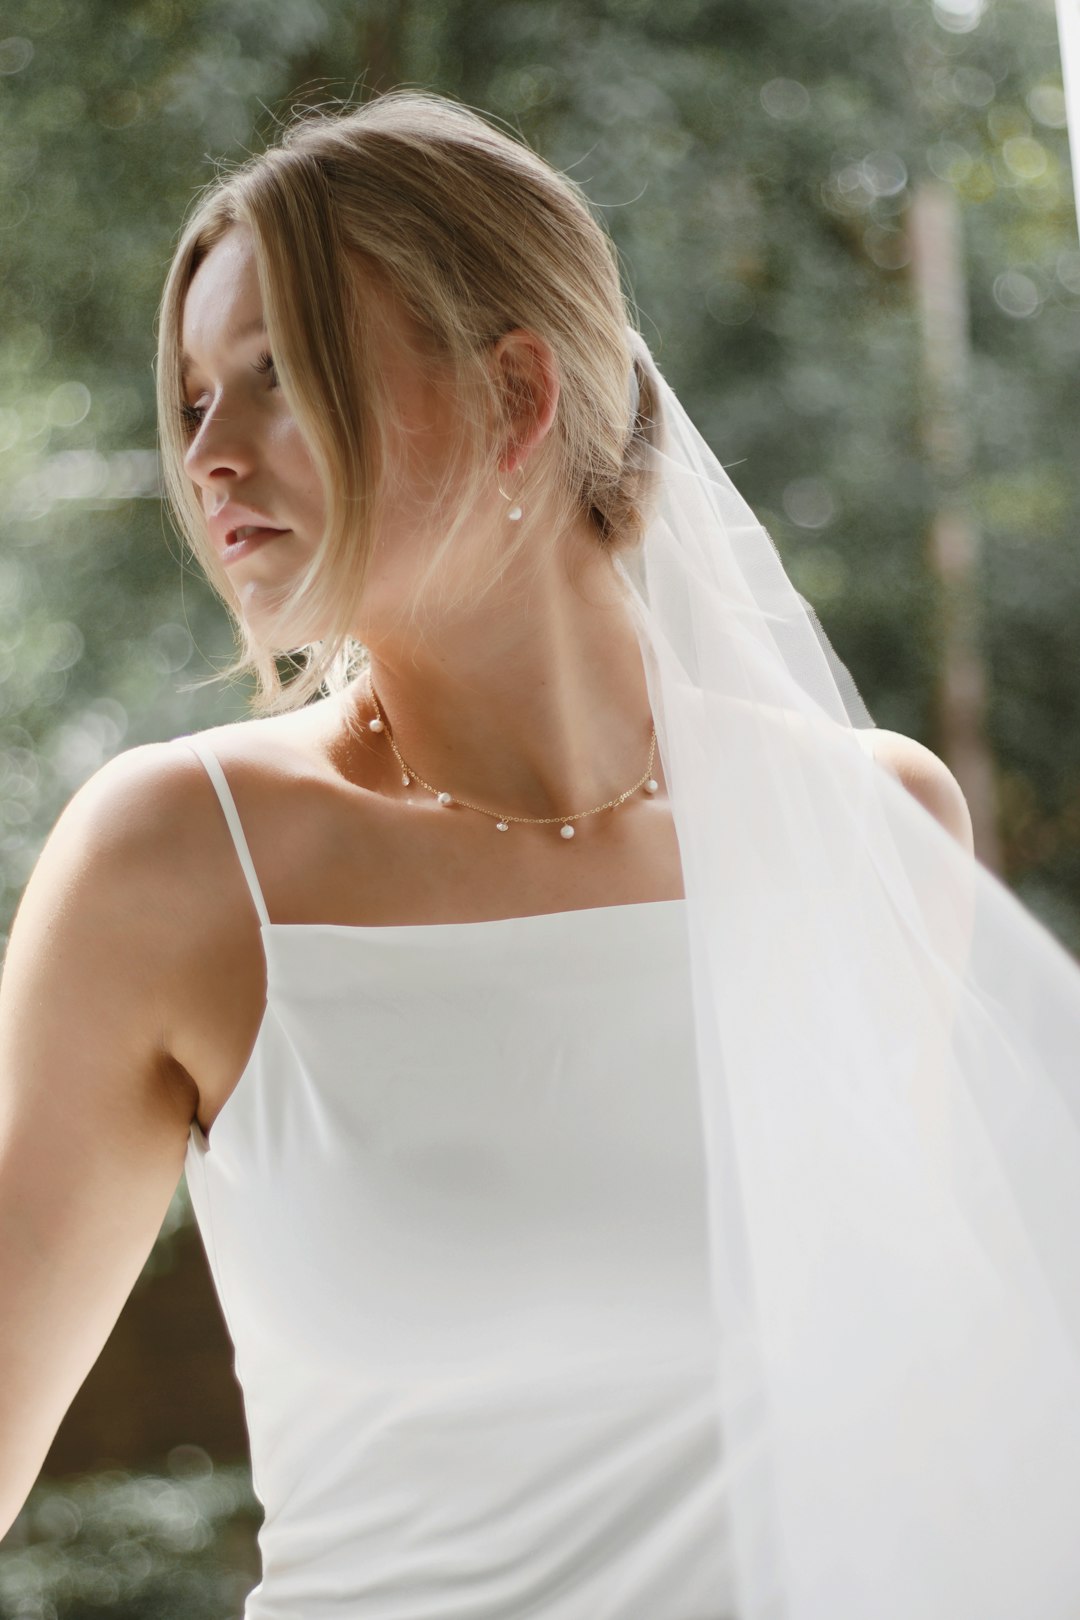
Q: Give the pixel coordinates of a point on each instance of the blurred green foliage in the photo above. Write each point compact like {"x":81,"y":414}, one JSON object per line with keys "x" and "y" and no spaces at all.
{"x":754,"y":160}
{"x":178,"y":1546}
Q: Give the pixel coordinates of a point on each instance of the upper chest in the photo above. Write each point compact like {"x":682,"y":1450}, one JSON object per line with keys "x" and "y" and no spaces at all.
{"x":324,"y":851}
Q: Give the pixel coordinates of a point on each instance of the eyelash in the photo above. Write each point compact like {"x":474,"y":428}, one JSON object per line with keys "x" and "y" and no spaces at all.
{"x":191,"y":415}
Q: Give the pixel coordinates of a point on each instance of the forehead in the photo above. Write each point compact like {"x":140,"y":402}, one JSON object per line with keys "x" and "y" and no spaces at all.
{"x":223,"y":303}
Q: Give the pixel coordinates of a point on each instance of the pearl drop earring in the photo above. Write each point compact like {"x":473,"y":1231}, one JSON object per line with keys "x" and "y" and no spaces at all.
{"x":514,"y":514}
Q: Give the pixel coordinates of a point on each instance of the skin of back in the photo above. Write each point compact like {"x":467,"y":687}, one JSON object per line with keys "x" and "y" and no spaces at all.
{"x":93,"y":1117}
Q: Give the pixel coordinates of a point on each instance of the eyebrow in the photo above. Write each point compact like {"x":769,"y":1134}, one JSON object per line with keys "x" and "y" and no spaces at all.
{"x":257,"y":325}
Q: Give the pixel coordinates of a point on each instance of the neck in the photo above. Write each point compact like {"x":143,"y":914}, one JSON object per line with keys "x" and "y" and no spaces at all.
{"x":536,"y":705}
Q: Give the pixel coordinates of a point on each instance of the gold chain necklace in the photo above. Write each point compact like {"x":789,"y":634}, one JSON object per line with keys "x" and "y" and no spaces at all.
{"x":502,"y":822}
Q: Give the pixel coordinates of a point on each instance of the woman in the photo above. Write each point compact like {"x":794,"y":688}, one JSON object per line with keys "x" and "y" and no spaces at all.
{"x":399,"y":971}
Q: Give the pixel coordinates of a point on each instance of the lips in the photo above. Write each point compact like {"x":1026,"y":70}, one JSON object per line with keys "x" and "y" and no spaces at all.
{"x":230,"y":518}
{"x":240,"y":542}
{"x":248,"y":531}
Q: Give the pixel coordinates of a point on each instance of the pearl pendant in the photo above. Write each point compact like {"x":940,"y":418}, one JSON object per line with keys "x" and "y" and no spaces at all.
{"x":444,"y":798}
{"x":502,"y":826}
{"x":404,"y":779}
{"x":567,"y":831}
{"x":375,"y":725}
{"x":651,"y":785}
{"x":514,"y":514}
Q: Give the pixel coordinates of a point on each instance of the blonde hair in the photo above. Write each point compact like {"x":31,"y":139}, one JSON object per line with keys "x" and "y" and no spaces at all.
{"x":415,"y":199}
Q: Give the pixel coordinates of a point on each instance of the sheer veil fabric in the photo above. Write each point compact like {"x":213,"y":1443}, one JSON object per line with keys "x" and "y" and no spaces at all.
{"x":1068,"y":27}
{"x":888,"y":1047}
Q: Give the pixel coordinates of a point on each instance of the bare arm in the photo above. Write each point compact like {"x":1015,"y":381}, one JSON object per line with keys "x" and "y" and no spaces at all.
{"x":93,"y":1124}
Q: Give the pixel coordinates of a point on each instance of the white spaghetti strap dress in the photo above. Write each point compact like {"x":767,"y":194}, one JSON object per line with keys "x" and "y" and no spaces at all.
{"x":454,"y":1213}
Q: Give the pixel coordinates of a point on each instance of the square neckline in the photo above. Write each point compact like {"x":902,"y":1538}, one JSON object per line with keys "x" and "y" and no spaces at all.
{"x":266,"y":925}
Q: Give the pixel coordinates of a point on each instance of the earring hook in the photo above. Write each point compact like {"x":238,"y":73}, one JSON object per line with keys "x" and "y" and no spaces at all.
{"x":514,"y":514}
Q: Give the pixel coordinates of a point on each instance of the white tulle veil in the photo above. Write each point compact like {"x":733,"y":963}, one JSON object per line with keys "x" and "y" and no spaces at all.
{"x":1068,"y":21}
{"x":888,"y":1050}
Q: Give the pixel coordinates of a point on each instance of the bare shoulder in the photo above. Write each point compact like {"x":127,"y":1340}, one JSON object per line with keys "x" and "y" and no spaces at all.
{"x":137,"y":853}
{"x":136,"y":900}
{"x":107,"y":893}
{"x":121,"y":832}
{"x":155,"y":799}
{"x":926,"y":777}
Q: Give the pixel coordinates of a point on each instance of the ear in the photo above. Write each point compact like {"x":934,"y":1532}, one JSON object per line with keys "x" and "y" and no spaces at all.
{"x":530,"y":376}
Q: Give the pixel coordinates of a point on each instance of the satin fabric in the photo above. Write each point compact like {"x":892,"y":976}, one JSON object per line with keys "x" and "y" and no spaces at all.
{"x":454,"y":1212}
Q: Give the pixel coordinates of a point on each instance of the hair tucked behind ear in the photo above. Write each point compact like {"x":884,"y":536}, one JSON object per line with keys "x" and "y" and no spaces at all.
{"x":413,"y":202}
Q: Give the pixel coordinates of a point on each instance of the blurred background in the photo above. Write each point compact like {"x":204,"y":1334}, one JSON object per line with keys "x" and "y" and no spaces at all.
{"x":849,"y":230}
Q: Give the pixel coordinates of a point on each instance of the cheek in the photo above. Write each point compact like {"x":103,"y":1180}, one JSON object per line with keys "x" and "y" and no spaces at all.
{"x":428,"y":432}
{"x":294,"y":468}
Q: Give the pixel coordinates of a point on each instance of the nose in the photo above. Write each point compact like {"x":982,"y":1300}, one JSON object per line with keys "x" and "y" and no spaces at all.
{"x":221,"y":448}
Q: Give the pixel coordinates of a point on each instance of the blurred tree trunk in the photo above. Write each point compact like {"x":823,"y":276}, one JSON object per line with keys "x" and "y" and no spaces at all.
{"x":381,"y":45}
{"x":165,"y":1378}
{"x":953,"y":539}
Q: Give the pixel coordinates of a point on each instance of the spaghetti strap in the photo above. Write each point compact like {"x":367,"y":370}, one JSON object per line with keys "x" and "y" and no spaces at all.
{"x":200,"y":746}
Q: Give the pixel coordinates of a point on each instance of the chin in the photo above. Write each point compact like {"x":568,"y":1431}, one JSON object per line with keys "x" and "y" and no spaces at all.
{"x":277,"y":628}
